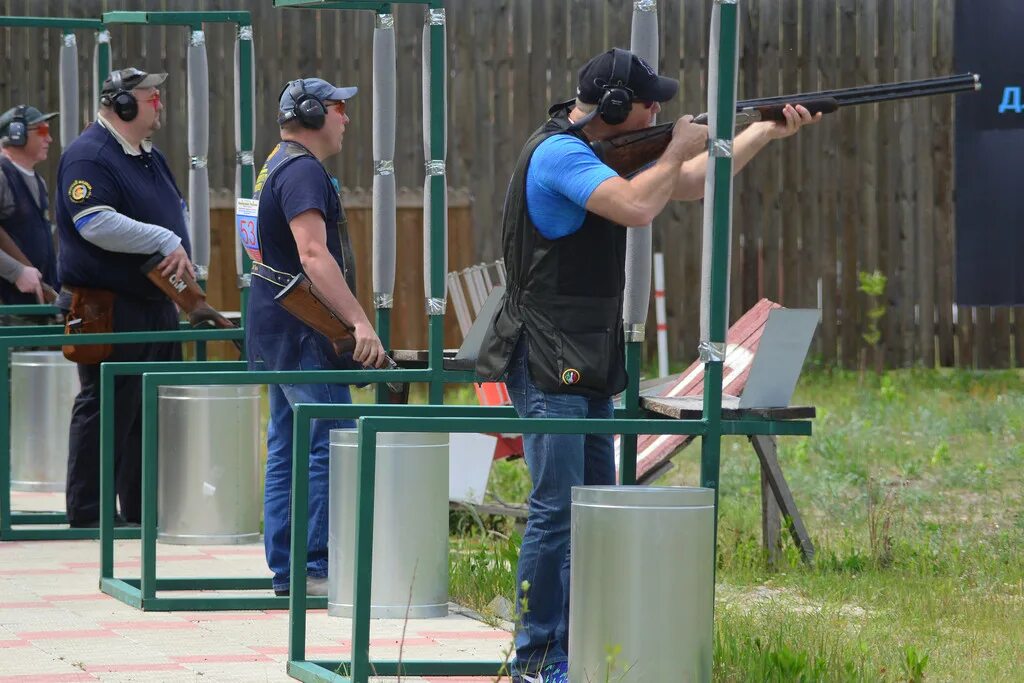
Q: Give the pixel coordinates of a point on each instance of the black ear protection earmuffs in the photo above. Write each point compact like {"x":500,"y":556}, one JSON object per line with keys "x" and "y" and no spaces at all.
{"x":17,"y":131}
{"x":121,"y":101}
{"x":307,"y":108}
{"x":617,"y":101}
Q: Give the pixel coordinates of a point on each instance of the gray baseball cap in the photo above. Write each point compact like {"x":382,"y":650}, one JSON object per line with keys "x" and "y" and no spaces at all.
{"x":32,"y":117}
{"x":318,"y":88}
{"x":132,"y":78}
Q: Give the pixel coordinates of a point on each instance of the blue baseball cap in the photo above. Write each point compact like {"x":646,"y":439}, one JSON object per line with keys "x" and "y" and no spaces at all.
{"x":318,"y":88}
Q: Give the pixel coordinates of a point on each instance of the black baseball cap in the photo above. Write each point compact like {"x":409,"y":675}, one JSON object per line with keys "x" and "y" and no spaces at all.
{"x":645,"y":83}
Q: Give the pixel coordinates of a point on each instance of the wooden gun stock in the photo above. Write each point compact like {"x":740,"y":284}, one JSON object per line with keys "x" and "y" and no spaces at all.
{"x":8,"y":245}
{"x":301,"y":299}
{"x":189,"y":296}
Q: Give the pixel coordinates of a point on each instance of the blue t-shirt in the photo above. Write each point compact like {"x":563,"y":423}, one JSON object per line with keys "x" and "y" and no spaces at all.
{"x":563,"y":173}
{"x":96,"y":173}
{"x":299,"y":185}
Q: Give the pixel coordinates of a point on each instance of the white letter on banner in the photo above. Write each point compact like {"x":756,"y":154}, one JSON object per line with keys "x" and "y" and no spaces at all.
{"x":1011,"y":100}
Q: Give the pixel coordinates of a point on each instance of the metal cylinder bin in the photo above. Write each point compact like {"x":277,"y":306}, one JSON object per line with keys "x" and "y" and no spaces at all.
{"x":43,"y":389}
{"x":410,"y":526}
{"x":642,"y":584}
{"x":208,"y":473}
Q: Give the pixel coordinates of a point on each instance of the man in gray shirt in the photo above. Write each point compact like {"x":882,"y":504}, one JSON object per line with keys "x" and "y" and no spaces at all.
{"x":27,"y":254}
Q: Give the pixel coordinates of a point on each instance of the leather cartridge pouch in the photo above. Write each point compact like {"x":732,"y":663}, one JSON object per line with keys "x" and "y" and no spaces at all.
{"x":92,"y":312}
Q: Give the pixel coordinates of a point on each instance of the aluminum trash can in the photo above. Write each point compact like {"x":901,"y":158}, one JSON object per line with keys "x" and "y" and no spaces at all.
{"x":642,"y":584}
{"x":43,"y":389}
{"x":208,"y":473}
{"x":410,"y":526}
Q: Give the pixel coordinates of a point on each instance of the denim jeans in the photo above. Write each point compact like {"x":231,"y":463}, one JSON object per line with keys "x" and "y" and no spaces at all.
{"x":277,"y":493}
{"x":557,"y":462}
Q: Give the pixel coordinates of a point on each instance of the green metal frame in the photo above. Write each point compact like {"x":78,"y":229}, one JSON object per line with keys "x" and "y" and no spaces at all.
{"x":245,"y":77}
{"x":141,"y":592}
{"x":446,"y":419}
{"x":9,"y":518}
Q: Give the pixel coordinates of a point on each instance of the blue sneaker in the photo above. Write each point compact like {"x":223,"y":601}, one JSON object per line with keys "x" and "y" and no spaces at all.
{"x":552,"y":673}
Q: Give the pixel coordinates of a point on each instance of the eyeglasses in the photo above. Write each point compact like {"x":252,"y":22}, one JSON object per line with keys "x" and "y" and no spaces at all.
{"x":648,"y":104}
{"x":154,"y":100}
{"x":339,"y":105}
{"x":42,"y":129}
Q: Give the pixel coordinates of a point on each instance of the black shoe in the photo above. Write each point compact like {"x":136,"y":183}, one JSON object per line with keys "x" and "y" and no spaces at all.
{"x":282,"y":592}
{"x":94,"y":524}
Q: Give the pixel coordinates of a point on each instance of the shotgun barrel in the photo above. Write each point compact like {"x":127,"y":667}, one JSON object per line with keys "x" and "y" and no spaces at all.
{"x":630,"y":153}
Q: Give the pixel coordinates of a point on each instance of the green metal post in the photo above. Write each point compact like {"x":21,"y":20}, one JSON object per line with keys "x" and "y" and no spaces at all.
{"x":361,"y":588}
{"x":246,"y":161}
{"x":149,"y":484}
{"x":107,"y":490}
{"x":627,"y":449}
{"x":721,"y":161}
{"x":5,"y":441}
{"x":438,"y":113}
{"x":299,"y":531}
{"x":384,"y":334}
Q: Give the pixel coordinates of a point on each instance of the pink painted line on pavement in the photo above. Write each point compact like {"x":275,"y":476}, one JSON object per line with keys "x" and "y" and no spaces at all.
{"x":466,"y":635}
{"x":66,"y":635}
{"x":14,"y":643}
{"x":47,"y":678}
{"x":25,"y":605}
{"x":147,"y":625}
{"x":328,"y":650}
{"x":199,"y":659}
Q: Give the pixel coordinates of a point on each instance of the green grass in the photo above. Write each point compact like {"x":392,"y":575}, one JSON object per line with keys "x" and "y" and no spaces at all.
{"x":911,"y":489}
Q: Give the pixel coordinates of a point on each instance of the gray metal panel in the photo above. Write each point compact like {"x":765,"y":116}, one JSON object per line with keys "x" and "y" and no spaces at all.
{"x":779,"y":358}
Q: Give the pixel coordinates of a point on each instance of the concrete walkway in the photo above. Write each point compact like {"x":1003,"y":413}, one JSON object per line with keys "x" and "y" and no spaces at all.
{"x":56,"y":626}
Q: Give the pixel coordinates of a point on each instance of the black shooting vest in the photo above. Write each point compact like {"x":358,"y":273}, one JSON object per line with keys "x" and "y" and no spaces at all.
{"x":338,"y":242}
{"x":29,"y":227}
{"x":565,"y":295}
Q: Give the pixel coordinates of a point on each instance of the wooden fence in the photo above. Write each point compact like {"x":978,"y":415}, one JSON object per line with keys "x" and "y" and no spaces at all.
{"x":867,"y":189}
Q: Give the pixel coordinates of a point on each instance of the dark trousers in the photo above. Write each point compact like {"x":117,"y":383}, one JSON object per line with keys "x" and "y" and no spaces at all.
{"x":83,"y":485}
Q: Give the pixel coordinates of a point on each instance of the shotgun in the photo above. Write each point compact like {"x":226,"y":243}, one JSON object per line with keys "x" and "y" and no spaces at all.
{"x":630,"y":153}
{"x":300,"y":298}
{"x":189,"y":297}
{"x":8,"y":245}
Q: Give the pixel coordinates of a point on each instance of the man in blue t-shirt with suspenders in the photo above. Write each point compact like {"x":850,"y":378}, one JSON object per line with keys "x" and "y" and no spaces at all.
{"x":301,"y":228}
{"x":557,"y":340}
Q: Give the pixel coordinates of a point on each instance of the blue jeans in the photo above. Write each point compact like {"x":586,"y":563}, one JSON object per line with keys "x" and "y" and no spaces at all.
{"x":557,"y":462}
{"x":277,"y":493}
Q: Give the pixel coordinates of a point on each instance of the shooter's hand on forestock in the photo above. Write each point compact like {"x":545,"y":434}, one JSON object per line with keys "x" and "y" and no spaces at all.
{"x":173,"y":276}
{"x":796,"y":118}
{"x":368,"y":350}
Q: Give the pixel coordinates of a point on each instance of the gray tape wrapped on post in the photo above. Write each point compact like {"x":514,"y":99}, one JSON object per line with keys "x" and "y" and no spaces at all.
{"x":644,"y":43}
{"x":432,"y":168}
{"x":198,"y":147}
{"x":384,"y":122}
{"x":709,"y":184}
{"x":68,"y":90}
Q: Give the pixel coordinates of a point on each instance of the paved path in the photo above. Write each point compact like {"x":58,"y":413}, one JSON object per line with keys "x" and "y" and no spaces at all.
{"x":55,"y":625}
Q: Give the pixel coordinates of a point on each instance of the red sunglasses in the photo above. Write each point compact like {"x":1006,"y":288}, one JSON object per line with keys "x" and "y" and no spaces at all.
{"x":42,"y":129}
{"x":339,"y":105}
